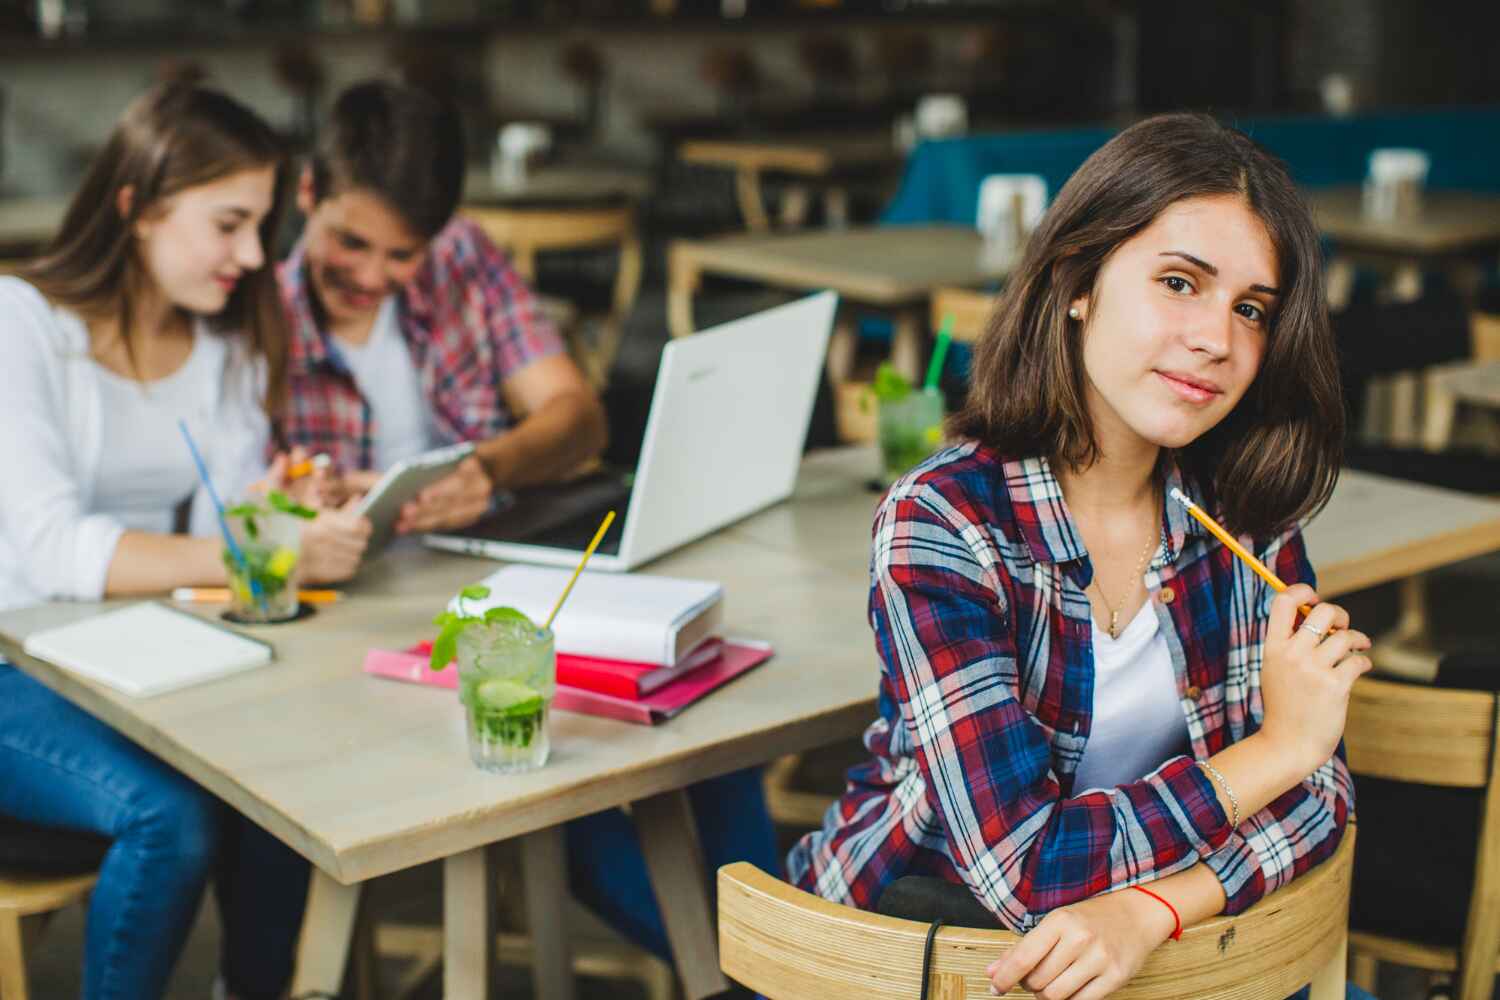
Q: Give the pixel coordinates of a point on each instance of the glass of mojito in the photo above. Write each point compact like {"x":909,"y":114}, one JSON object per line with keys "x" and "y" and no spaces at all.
{"x":507,"y":674}
{"x":270,"y":540}
{"x":911,"y":428}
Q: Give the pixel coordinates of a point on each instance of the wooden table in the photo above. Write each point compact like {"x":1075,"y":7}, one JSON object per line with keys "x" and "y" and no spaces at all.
{"x":821,"y":158}
{"x":27,"y":223}
{"x":893,"y":269}
{"x":1457,"y":232}
{"x":364,"y":776}
{"x":559,"y":185}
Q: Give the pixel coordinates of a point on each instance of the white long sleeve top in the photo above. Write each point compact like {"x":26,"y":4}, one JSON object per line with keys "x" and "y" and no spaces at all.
{"x":57,"y":537}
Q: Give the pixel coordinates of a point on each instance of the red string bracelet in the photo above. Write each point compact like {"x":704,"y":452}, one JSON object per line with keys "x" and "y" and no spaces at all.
{"x":1177,"y":930}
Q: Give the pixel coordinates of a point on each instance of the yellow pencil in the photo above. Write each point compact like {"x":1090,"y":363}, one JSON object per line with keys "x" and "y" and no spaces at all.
{"x":598,"y":537}
{"x":1231,"y":543}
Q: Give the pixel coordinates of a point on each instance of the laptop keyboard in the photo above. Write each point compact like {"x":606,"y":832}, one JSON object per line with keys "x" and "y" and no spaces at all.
{"x":564,"y":515}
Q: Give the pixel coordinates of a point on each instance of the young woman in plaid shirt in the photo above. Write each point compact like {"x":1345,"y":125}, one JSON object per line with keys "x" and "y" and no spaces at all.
{"x":1081,"y":689}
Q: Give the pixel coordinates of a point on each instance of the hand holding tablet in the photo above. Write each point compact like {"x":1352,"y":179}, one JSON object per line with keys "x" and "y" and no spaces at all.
{"x":401,"y":483}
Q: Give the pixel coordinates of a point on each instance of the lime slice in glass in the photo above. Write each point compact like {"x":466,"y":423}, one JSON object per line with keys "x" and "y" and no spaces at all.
{"x":281,"y":563}
{"x":511,"y":697}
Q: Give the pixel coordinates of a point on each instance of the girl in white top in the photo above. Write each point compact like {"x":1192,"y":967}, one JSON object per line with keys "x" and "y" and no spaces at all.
{"x":153,"y":304}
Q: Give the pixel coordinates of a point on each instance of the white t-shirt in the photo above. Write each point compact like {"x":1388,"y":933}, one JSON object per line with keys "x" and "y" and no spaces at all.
{"x":388,"y":379}
{"x":145,"y":468}
{"x":1138,"y":722}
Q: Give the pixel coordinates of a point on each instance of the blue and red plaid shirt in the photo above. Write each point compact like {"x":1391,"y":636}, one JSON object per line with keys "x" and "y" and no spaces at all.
{"x":986,"y":693}
{"x":470,"y":321}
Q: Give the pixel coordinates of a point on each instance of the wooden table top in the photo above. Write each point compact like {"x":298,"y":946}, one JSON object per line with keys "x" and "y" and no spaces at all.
{"x":366,"y":776}
{"x":558,"y":184}
{"x":881,"y":265}
{"x":28,"y":222}
{"x":808,"y":155}
{"x":1450,"y":222}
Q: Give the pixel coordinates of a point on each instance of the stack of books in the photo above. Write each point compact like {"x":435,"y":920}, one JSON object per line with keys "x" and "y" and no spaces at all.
{"x":634,"y":647}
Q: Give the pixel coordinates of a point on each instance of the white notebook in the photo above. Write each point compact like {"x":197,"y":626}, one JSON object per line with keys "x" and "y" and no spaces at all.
{"x":147,"y":649}
{"x":615,"y":616}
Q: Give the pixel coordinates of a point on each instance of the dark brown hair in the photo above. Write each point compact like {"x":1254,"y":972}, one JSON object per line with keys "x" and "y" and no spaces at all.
{"x":173,"y":137}
{"x":1274,"y":459}
{"x":399,"y":142}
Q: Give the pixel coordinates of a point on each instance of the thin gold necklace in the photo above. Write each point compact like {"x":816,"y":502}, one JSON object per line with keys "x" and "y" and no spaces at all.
{"x":1140,"y":568}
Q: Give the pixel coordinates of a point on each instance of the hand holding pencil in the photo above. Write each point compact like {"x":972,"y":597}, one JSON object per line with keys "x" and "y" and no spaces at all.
{"x":1307,"y":669}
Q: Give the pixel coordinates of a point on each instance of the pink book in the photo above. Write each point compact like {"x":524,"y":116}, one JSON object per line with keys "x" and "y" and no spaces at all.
{"x":738,"y":656}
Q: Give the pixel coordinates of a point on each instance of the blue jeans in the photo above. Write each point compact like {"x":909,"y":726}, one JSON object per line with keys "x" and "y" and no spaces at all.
{"x":608,"y":873}
{"x":64,"y":768}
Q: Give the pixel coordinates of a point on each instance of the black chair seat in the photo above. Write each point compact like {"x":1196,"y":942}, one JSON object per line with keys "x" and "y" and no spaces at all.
{"x":925,"y":899}
{"x":47,"y":850}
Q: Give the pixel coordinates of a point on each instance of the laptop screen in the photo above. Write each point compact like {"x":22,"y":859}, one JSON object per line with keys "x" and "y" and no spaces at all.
{"x":562,"y":515}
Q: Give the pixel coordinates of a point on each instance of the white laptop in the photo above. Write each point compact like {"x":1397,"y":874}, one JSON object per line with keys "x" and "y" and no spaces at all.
{"x":724,"y":439}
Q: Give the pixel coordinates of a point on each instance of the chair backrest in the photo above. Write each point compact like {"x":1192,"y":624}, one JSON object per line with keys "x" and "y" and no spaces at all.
{"x":783,"y":942}
{"x":1411,"y":732}
{"x":970,"y":311}
{"x":1437,"y":736}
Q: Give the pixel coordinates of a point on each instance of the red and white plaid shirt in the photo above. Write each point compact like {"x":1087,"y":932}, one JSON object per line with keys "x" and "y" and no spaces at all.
{"x":470,"y":322}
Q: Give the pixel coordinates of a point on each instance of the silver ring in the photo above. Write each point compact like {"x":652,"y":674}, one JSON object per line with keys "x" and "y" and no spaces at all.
{"x":1313,"y":629}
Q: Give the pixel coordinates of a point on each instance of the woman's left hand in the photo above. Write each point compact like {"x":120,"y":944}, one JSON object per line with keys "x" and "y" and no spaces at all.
{"x":1087,"y":950}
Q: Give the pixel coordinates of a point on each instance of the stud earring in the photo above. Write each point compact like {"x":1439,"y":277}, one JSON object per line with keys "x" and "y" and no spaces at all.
{"x":1073,"y":313}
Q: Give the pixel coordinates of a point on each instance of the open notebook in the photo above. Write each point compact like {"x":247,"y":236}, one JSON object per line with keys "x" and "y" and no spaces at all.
{"x":148,"y":649}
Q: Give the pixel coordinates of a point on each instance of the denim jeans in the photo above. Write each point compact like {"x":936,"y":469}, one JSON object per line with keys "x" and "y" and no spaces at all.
{"x":608,"y":874}
{"x":64,"y":768}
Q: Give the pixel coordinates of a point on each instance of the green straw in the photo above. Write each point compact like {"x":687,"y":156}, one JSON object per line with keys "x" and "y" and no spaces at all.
{"x":939,"y":354}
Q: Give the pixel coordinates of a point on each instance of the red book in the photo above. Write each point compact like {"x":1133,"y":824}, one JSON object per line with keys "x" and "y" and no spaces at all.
{"x":624,"y":679}
{"x":736,"y":657}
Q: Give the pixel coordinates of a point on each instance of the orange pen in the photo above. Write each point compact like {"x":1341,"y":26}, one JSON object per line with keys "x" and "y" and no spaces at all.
{"x":220,"y":595}
{"x":307,"y":465}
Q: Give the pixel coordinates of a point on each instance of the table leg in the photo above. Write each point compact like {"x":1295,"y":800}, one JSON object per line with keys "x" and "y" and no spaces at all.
{"x":683,"y":278}
{"x":468,"y":924}
{"x":544,"y":861}
{"x":1404,"y":431}
{"x":752,"y":202}
{"x":1440,"y":406}
{"x":674,"y":858}
{"x":843,"y":345}
{"x":836,"y":207}
{"x":794,"y":205}
{"x":906,"y":344}
{"x":327,"y":929}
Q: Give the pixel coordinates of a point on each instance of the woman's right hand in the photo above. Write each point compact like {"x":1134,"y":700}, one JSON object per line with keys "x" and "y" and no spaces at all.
{"x":333,"y":543}
{"x":1306,"y":678}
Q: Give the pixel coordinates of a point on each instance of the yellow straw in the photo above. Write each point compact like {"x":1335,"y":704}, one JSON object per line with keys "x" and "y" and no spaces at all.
{"x":598,"y":537}
{"x":1233,"y":545}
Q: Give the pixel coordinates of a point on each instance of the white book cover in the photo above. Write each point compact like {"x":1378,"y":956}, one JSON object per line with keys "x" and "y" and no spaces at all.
{"x":618,"y":616}
{"x":147,"y":649}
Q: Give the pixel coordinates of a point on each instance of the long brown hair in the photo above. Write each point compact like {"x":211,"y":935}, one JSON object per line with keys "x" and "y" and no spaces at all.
{"x":175,"y":136}
{"x":1275,"y":458}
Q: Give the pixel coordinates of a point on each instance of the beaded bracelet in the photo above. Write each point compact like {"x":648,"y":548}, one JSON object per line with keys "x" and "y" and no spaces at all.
{"x":1233,"y":802}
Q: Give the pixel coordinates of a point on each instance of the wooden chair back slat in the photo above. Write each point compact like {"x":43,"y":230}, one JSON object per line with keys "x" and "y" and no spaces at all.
{"x":1408,"y":732}
{"x":783,"y":942}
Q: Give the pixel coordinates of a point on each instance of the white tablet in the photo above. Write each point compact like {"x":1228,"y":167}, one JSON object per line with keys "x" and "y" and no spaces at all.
{"x":402,"y":482}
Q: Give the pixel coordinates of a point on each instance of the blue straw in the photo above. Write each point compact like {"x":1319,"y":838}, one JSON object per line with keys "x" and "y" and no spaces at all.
{"x":234,"y":549}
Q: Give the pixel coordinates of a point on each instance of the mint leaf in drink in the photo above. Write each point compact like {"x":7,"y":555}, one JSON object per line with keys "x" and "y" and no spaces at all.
{"x":890,"y":385}
{"x":242,"y":510}
{"x":507,"y":615}
{"x":445,"y":646}
{"x":476,"y":592}
{"x":280,"y":501}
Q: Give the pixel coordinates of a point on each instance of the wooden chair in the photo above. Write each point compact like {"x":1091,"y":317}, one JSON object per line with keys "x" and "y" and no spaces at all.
{"x":524,"y":232}
{"x":1432,"y":736}
{"x":782,"y":942}
{"x":41,"y":871}
{"x":27,"y":902}
{"x":970,"y":311}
